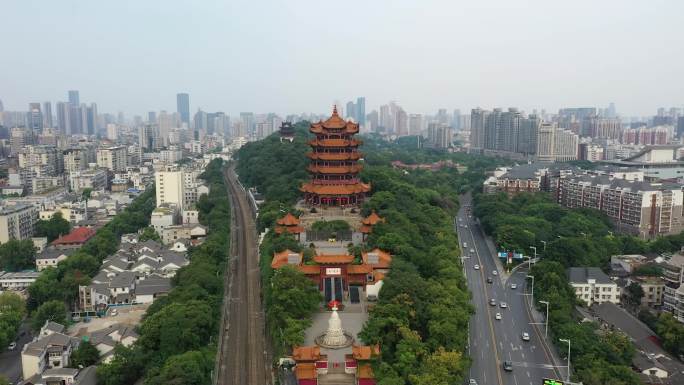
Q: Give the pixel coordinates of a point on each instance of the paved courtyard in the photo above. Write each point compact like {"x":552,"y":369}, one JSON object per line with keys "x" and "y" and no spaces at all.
{"x":353,"y":318}
{"x":129,"y":315}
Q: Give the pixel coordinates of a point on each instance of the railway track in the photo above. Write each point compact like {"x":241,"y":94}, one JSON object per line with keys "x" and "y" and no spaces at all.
{"x":242,"y":356}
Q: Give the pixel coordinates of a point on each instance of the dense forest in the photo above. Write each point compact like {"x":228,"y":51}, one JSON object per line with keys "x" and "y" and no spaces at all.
{"x":580,"y":238}
{"x":175,"y":344}
{"x":421,"y":318}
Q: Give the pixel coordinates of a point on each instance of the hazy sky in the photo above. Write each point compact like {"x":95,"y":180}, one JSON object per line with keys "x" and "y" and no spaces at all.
{"x":300,"y":55}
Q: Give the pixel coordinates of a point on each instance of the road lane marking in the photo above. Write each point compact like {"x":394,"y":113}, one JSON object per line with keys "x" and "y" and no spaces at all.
{"x":489,"y":318}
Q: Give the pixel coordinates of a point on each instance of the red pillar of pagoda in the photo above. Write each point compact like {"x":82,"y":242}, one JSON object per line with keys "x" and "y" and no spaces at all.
{"x":334,"y":167}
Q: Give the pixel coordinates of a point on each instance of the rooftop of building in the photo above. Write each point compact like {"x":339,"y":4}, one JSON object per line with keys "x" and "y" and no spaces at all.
{"x":52,"y":253}
{"x":153,"y":285}
{"x":11,"y":209}
{"x":53,"y":327}
{"x":77,"y":235}
{"x":288,"y":220}
{"x":20,"y":275}
{"x":583,"y":274}
{"x":622,"y":184}
{"x":37,"y":347}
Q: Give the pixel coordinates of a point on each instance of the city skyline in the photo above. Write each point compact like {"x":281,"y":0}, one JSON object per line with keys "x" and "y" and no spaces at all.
{"x":452,"y":56}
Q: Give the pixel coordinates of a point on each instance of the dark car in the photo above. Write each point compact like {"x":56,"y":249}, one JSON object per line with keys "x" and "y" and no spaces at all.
{"x":508,"y":366}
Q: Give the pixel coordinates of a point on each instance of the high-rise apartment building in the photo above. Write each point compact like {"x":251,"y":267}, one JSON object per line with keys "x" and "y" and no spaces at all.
{"x":478,"y":117}
{"x":63,"y":122}
{"x":17,"y":222}
{"x":493,"y":130}
{"x":545,"y":142}
{"x":75,"y":159}
{"x":456,"y":120}
{"x":527,"y":136}
{"x":248,"y":122}
{"x":201,"y":123}
{"x":385,"y":119}
{"x":556,"y":144}
{"x":35,"y":118}
{"x":415,"y":124}
{"x":439,"y":135}
{"x":74,"y":98}
{"x":566,"y":145}
{"x":606,"y":128}
{"x":183,"y":108}
{"x":351,"y":111}
{"x":645,"y":209}
{"x":75,"y":120}
{"x":170,"y":188}
{"x":113,"y":158}
{"x":19,"y":138}
{"x":47,"y":115}
{"x":90,"y":121}
{"x":373,"y":120}
{"x":508,"y":131}
{"x":361,"y":111}
{"x":401,"y":122}
{"x":149,"y":138}
{"x":41,"y":160}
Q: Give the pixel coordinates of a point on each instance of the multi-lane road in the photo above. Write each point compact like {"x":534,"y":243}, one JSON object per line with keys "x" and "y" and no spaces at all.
{"x":243,"y":359}
{"x":492,"y":341}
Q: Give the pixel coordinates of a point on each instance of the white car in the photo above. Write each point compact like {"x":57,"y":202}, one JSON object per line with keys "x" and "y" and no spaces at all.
{"x":494,"y":272}
{"x":472,"y":382}
{"x":525,"y":336}
{"x":465,"y":226}
{"x":476,"y":267}
{"x":498,"y":316}
{"x":514,"y":286}
{"x":472,"y":250}
{"x":503,"y":305}
{"x":12,"y":345}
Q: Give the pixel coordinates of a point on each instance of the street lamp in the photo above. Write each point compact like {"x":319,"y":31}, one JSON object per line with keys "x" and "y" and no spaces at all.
{"x":546,"y":324}
{"x":544,"y":242}
{"x":568,"y":341}
{"x":532,"y":276}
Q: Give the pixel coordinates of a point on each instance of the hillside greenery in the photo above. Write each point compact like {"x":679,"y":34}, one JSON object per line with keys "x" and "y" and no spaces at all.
{"x":420,"y":320}
{"x":178,"y":332}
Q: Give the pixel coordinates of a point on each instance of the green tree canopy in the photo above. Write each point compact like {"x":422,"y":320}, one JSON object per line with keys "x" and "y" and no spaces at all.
{"x":53,"y":310}
{"x":149,"y":233}
{"x":17,"y":255}
{"x":53,"y":227}
{"x":672,"y":333}
{"x":85,"y":355}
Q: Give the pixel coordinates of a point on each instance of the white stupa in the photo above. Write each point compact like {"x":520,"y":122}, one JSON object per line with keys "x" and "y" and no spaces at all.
{"x":334,"y":337}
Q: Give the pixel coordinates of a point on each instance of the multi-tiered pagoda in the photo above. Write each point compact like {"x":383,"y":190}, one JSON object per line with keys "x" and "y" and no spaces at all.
{"x":334,"y":164}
